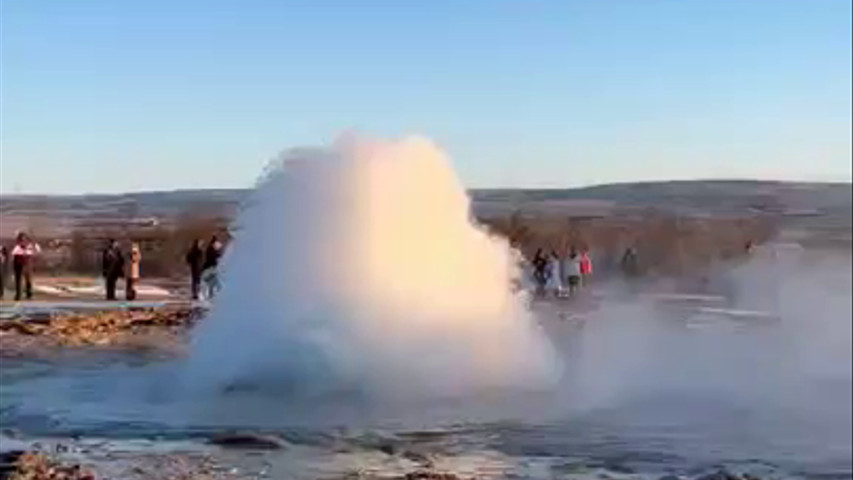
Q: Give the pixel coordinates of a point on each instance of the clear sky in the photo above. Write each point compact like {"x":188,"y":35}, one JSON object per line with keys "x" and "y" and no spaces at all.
{"x":106,"y":95}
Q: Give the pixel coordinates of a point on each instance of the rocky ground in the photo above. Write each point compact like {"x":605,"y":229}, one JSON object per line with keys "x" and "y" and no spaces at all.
{"x":39,"y":465}
{"x":63,"y":464}
{"x":158,"y":329}
{"x":34,"y":465}
{"x":223,"y":457}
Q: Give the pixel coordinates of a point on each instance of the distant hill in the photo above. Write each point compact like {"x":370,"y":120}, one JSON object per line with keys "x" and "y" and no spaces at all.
{"x":706,"y":194}
{"x":56,"y":215}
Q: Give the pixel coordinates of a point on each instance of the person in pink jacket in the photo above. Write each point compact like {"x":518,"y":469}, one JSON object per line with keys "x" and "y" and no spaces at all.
{"x":132,"y":278}
{"x":586,"y":267}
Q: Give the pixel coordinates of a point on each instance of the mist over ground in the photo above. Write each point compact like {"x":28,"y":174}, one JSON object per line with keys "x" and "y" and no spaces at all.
{"x":411,"y":285}
{"x":368,"y":318}
{"x":359,"y":266}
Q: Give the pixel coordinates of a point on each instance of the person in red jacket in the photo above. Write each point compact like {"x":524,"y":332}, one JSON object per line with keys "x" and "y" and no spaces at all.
{"x":22,"y":262}
{"x":586,"y":267}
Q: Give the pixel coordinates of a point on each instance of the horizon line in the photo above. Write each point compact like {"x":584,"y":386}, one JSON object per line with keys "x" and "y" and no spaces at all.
{"x":497,"y":188}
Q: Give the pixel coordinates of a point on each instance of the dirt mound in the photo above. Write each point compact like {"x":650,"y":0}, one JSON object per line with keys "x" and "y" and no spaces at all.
{"x":38,"y":466}
{"x":143,"y":328}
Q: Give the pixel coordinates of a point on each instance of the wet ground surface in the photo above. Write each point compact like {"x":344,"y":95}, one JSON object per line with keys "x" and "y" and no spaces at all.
{"x":655,"y":384}
{"x":41,"y":308}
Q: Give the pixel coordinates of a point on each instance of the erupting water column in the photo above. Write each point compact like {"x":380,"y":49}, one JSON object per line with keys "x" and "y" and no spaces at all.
{"x":358,"y":268}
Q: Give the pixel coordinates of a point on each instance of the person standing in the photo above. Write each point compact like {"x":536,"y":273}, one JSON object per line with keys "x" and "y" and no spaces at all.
{"x":4,"y":262}
{"x":573,"y":275}
{"x":585,"y":267}
{"x":195,"y":260}
{"x":540,"y":270}
{"x":132,"y":279}
{"x":112,"y":267}
{"x":22,"y":262}
{"x":555,"y":276}
{"x":209,"y":274}
{"x":629,"y":262}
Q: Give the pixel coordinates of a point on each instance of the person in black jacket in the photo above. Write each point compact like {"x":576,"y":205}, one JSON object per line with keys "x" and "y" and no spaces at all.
{"x":209,"y":272}
{"x":629,"y":262}
{"x":195,"y":260}
{"x":112,"y":267}
{"x":540,"y":270}
{"x":4,"y":261}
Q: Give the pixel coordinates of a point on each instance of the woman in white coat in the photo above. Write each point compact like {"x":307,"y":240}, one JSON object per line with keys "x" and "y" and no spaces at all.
{"x":555,"y":275}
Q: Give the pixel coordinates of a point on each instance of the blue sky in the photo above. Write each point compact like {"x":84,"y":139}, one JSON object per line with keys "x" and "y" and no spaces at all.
{"x":106,"y":96}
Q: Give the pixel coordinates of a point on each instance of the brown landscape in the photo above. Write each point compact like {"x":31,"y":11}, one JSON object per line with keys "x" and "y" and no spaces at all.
{"x":679,"y":229}
{"x":677,"y":226}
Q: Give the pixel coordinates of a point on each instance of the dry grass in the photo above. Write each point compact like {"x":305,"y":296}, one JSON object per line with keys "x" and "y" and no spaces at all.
{"x":163,"y":248}
{"x":665,"y":244}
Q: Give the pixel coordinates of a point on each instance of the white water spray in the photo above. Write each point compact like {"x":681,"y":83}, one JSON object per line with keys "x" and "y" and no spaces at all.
{"x":358,"y":268}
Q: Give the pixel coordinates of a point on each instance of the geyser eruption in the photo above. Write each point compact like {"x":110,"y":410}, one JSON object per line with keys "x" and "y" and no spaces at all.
{"x":358,"y":268}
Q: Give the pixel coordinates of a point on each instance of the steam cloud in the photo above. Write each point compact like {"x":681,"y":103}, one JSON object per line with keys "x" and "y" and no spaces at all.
{"x":358,"y":268}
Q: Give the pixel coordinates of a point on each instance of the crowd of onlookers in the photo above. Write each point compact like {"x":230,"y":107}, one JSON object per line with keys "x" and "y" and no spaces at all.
{"x":552,"y":274}
{"x":559,"y":276}
{"x":202,"y":261}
